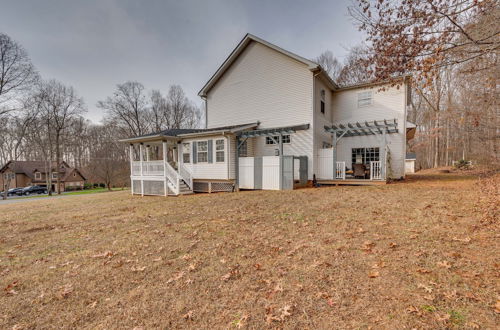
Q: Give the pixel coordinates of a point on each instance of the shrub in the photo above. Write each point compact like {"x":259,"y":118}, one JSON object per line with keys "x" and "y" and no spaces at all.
{"x":462,"y":164}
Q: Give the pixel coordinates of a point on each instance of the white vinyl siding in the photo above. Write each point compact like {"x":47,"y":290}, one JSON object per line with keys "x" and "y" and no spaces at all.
{"x":385,"y":104}
{"x":266,"y":86}
{"x":205,"y":170}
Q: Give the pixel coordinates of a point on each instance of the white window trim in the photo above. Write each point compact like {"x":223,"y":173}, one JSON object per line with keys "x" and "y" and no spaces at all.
{"x":223,"y":150}
{"x":38,"y":176}
{"x":188,"y":152}
{"x":198,"y":152}
{"x":362,"y":96}
{"x":54,"y":175}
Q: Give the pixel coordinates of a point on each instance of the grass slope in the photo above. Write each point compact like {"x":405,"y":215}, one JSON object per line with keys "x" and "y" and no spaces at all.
{"x":405,"y":255}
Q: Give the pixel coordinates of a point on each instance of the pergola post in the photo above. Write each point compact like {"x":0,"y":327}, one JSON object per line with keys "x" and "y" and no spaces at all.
{"x":280,"y":148}
{"x":334,"y":155}
{"x":383,"y":156}
{"x":141,"y":160}
{"x":237,"y":164}
{"x":131,"y":151}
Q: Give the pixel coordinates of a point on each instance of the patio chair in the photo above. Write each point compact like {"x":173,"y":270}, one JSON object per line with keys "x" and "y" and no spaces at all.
{"x":359,"y":170}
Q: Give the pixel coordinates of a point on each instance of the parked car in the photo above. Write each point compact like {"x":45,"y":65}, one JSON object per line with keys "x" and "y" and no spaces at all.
{"x":33,"y":190}
{"x":12,"y":191}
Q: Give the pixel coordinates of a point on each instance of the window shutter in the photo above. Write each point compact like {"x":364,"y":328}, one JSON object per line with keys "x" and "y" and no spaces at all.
{"x":195,"y":159}
{"x":210,"y":151}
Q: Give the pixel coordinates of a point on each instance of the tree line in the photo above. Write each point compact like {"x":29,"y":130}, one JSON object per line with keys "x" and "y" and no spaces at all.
{"x":450,"y":48}
{"x":44,"y":120}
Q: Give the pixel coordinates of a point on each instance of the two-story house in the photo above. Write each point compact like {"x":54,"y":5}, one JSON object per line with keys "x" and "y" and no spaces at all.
{"x":17,"y":173}
{"x":274,"y":120}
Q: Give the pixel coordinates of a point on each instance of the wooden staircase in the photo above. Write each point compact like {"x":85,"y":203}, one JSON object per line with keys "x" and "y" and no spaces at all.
{"x":184,"y":188}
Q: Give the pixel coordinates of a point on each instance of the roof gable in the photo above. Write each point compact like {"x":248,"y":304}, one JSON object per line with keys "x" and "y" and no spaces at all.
{"x":239,"y":50}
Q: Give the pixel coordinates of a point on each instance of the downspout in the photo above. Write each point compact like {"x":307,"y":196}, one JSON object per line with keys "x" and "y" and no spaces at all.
{"x":204,"y":98}
{"x":314,"y":151}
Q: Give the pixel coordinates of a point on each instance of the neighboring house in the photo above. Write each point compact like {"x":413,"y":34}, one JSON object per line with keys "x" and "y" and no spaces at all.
{"x":275,"y":119}
{"x":410,"y":160}
{"x":31,"y":173}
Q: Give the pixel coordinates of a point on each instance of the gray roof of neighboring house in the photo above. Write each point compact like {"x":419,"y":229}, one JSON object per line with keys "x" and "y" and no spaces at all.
{"x":29,"y":168}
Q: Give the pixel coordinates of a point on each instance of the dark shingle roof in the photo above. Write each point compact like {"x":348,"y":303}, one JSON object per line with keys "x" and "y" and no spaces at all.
{"x":181,"y":131}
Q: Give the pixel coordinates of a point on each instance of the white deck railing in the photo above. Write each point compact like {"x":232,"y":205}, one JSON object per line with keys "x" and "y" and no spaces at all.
{"x":136,"y":168}
{"x":186,"y":175}
{"x":154,"y":167}
{"x":340,"y":171}
{"x":375,"y":170}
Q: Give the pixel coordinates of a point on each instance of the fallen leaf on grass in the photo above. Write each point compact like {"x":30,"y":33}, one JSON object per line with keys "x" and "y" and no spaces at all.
{"x":497,"y":307}
{"x":138,"y":269}
{"x":423,"y":271}
{"x":107,"y":254}
{"x":373,"y":274}
{"x":444,"y":264}
{"x":464,"y":240}
{"x":189,"y":315}
{"x":66,"y":291}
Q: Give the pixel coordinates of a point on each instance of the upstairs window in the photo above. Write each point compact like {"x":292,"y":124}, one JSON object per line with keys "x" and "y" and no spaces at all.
{"x":54,"y":175}
{"x":202,"y":153}
{"x":219,"y":151}
{"x":364,"y":99}
{"x":271,"y":141}
{"x":186,"y":153}
{"x":38,"y":176}
{"x":322,"y":94}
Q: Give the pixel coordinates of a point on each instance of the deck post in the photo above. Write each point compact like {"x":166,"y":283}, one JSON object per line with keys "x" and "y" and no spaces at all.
{"x":281,"y":160}
{"x":131,"y":151}
{"x":383,"y":156}
{"x":237,"y":163}
{"x":334,"y":155}
{"x":141,"y":160}
{"x":164,"y":151}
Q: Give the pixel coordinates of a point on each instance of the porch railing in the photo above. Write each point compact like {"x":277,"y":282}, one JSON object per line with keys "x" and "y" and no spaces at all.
{"x":186,"y":175}
{"x":375,"y":170}
{"x":136,"y":168}
{"x":154,"y":167}
{"x":340,"y":171}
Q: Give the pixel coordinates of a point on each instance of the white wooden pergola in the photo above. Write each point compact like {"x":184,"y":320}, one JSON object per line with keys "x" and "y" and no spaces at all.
{"x":378,"y":128}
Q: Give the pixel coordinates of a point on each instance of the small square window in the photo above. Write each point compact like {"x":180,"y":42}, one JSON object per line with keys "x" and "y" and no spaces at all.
{"x":38,"y":176}
{"x":54,"y":175}
{"x":364,"y":99}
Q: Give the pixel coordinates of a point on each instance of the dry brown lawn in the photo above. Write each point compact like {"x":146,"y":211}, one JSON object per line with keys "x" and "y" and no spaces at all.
{"x":417,"y":254}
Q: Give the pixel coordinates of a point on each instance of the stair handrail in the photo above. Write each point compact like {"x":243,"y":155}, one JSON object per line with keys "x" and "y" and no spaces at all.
{"x":172,"y":178}
{"x":186,"y":175}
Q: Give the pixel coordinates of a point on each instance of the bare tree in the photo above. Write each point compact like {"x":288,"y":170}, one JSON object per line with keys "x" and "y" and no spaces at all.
{"x":159,"y":111}
{"x":355,"y":68}
{"x":17,"y":73}
{"x":59,"y":104}
{"x":182,"y":113}
{"x":128,"y":109}
{"x":330,"y":64}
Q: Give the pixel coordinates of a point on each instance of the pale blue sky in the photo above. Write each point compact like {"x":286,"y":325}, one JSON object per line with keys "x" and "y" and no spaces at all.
{"x":95,"y":44}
